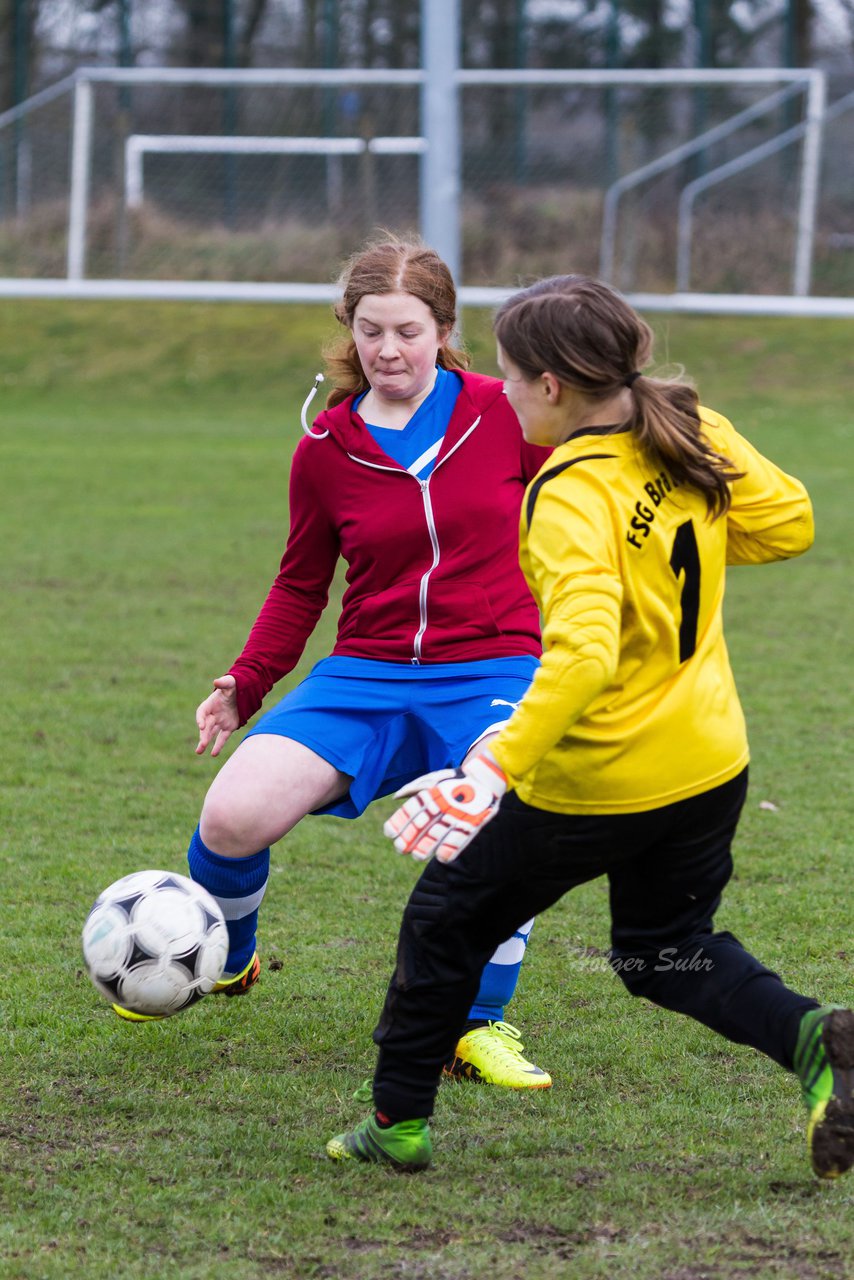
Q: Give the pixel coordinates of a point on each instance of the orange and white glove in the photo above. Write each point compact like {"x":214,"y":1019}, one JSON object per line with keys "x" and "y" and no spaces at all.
{"x":447,"y":809}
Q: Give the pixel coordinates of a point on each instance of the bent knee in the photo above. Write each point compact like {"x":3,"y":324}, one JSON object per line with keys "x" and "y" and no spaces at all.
{"x":229,"y":828}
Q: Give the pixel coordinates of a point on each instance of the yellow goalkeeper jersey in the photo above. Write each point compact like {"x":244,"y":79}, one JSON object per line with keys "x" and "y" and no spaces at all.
{"x":634,"y":705}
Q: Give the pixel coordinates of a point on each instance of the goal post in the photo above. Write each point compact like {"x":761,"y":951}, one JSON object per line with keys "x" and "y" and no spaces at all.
{"x":85,"y":79}
{"x":138,"y":145}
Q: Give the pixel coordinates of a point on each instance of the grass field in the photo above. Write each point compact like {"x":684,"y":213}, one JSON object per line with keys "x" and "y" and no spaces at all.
{"x":143,"y":460}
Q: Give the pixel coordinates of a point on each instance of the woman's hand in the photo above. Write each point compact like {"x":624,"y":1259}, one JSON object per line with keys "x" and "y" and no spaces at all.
{"x":217,"y":716}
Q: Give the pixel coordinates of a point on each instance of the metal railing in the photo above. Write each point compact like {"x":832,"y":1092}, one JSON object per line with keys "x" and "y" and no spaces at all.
{"x":661,"y":164}
{"x":684,"y":226}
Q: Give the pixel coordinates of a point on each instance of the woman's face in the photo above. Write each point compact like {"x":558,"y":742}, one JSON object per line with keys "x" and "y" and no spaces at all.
{"x":550,"y":411}
{"x":397,"y":339}
{"x":531,"y":402}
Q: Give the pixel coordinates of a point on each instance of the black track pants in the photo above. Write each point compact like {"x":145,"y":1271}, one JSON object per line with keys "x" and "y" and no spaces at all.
{"x":666,"y":868}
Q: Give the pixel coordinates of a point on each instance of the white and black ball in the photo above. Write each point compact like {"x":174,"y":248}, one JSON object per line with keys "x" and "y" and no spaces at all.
{"x":155,"y":942}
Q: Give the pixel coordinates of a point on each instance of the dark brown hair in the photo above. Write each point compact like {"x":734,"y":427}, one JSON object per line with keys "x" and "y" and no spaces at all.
{"x":588,"y":336}
{"x":390,"y":265}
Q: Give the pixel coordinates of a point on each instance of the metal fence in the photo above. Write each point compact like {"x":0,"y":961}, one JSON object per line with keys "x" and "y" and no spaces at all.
{"x":717,"y":182}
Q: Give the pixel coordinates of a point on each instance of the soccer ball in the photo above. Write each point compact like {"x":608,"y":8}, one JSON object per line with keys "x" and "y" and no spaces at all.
{"x":155,"y":943}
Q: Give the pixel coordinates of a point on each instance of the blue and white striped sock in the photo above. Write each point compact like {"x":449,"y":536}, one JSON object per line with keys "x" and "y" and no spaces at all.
{"x":499,"y":977}
{"x":238,"y":885}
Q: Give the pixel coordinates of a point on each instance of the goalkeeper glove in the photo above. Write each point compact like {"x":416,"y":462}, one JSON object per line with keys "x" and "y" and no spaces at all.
{"x":447,"y":809}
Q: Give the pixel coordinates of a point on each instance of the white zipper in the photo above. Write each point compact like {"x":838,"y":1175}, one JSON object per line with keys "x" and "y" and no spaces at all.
{"x":415,"y":660}
{"x":424,"y":486}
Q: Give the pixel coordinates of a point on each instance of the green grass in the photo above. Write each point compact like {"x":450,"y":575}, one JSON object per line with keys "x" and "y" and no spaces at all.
{"x":143,"y":463}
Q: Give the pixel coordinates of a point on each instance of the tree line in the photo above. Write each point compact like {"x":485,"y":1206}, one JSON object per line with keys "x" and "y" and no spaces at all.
{"x":41,"y":40}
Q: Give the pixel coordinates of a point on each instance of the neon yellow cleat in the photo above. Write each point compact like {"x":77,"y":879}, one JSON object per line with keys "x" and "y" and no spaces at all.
{"x":824,"y":1063}
{"x":130,"y":1016}
{"x":239,"y":983}
{"x":493,"y":1055}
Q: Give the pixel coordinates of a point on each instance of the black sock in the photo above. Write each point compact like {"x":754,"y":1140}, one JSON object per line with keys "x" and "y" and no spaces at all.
{"x":385,"y":1121}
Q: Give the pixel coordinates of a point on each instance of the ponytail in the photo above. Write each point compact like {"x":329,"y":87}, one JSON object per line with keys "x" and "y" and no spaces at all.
{"x":667,"y":427}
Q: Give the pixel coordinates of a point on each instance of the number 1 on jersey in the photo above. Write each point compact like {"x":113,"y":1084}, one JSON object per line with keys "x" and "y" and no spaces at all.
{"x":686,"y":558}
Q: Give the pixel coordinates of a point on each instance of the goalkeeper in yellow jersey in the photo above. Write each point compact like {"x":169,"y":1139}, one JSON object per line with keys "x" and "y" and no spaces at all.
{"x":627,"y":757}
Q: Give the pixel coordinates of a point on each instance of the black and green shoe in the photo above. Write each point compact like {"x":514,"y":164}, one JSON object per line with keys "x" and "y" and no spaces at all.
{"x":406,"y":1145}
{"x":824,"y":1062}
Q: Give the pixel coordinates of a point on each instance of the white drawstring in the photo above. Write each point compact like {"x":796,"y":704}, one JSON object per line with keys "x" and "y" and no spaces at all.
{"x":313,"y":435}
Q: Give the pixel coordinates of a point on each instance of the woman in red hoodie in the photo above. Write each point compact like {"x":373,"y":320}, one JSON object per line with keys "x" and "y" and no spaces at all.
{"x":414,"y":474}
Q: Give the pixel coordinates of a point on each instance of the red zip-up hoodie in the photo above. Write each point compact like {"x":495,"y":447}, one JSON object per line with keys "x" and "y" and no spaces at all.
{"x":432,"y":565}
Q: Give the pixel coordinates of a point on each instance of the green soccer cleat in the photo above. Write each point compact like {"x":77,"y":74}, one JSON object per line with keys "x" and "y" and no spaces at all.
{"x":824,"y":1063}
{"x":405,"y":1145}
{"x":240,"y":983}
{"x":493,"y":1055}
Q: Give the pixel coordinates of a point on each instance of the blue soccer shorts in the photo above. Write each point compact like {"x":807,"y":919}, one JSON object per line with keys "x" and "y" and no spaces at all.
{"x":385,"y":723}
